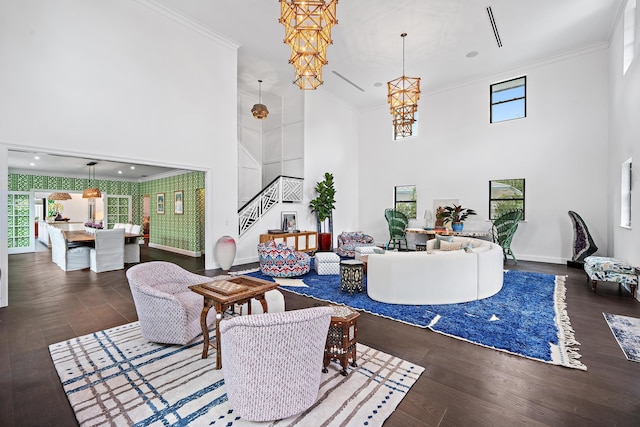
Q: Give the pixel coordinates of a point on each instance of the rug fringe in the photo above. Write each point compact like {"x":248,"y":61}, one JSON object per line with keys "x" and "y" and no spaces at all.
{"x":241,"y":272}
{"x":566,"y":334}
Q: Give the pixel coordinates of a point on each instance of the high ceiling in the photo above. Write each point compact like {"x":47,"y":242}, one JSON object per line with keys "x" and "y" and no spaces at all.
{"x":449,"y":42}
{"x":367,"y":47}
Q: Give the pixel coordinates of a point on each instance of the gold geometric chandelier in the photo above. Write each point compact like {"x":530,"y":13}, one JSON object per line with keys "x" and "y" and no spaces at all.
{"x":259,"y":110}
{"x":307,"y":28}
{"x":92,"y":192}
{"x":404,"y":93}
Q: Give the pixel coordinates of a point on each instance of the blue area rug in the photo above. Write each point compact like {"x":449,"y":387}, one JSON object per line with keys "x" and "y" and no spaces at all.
{"x":527,"y":317}
{"x":626,"y":330}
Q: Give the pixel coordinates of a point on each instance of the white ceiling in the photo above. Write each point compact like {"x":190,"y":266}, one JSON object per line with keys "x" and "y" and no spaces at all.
{"x":367,"y":49}
{"x":76,"y":167}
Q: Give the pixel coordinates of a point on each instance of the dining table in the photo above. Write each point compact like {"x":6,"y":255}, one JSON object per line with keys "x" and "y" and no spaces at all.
{"x":82,"y":237}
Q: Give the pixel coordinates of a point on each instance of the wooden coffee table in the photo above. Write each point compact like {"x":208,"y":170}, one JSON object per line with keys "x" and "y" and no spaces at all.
{"x":222,"y":294}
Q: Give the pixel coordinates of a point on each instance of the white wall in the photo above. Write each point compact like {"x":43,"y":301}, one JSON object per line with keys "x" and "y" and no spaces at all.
{"x":330,"y":145}
{"x":624,"y":143}
{"x":558,"y":148}
{"x":122,"y":80}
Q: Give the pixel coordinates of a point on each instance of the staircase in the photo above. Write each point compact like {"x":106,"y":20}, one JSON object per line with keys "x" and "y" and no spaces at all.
{"x":286,"y":189}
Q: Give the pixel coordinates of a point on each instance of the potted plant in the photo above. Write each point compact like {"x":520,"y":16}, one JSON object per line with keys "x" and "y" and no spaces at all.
{"x":455,"y":215}
{"x":323,"y":206}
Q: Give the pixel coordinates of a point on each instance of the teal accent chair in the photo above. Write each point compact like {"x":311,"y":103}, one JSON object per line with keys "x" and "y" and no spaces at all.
{"x":504,"y":227}
{"x":397,"y":222}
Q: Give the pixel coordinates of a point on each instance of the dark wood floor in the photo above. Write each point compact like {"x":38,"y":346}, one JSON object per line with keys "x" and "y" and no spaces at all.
{"x":463,"y":384}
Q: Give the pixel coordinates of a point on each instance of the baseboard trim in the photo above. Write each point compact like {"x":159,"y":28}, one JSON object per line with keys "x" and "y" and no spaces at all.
{"x":575,"y":264}
{"x":195,"y":254}
{"x":536,"y":258}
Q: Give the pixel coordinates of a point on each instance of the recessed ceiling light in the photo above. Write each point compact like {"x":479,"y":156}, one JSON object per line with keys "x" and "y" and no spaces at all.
{"x":37,"y":157}
{"x":120,"y":172}
{"x":377,"y":84}
{"x":32,"y":164}
{"x":133,"y":167}
{"x":472,"y":54}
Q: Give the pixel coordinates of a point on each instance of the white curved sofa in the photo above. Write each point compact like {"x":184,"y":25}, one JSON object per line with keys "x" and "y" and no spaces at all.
{"x":435,"y":276}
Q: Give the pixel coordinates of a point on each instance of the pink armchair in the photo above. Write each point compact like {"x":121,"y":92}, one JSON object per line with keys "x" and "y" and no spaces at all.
{"x":273,"y":362}
{"x":349,"y":241}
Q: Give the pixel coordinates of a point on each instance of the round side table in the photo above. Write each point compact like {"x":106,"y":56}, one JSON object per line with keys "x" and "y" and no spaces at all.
{"x":351,"y":275}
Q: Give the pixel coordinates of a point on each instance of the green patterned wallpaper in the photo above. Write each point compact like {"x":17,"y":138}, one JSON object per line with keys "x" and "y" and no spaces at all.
{"x":20,"y":182}
{"x":169,"y":229}
{"x":184,"y":231}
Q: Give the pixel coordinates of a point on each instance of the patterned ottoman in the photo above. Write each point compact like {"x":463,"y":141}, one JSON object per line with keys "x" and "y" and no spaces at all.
{"x":610,"y":270}
{"x":327,"y":263}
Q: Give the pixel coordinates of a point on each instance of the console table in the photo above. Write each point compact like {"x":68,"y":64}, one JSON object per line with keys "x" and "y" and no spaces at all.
{"x":304,"y":241}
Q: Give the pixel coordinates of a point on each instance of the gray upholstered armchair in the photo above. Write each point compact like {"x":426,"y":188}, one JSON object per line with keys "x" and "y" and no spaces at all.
{"x":168,"y":311}
{"x":284,"y":352}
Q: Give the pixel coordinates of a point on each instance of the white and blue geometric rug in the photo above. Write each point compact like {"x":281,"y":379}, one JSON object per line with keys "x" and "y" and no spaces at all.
{"x":117,"y":378}
{"x":626,"y":330}
{"x":528,"y":317}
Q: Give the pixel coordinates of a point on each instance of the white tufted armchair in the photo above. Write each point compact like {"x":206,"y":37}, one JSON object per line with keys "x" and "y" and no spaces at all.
{"x":168,"y":311}
{"x":272,"y":363}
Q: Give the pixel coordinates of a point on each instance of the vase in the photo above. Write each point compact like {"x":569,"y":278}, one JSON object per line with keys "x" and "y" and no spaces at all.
{"x":324,"y":242}
{"x":225,"y":252}
{"x":457,"y":226}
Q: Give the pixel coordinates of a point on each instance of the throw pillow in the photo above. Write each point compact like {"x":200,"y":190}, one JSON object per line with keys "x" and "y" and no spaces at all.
{"x":378,"y":250}
{"x":440,"y":239}
{"x":481,"y":248}
{"x":468,"y":245}
{"x":450,"y":246}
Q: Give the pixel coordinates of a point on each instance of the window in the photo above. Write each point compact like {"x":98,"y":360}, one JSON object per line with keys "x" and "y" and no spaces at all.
{"x":628,"y":36}
{"x":625,"y":196}
{"x":508,"y":100}
{"x":505,"y":195}
{"x":405,"y":200}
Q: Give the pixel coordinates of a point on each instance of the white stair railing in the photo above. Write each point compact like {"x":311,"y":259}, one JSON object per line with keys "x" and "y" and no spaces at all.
{"x":282,"y":189}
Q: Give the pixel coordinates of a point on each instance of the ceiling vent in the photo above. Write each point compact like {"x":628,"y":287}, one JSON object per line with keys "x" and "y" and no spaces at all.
{"x":494,"y":27}
{"x":347,"y":80}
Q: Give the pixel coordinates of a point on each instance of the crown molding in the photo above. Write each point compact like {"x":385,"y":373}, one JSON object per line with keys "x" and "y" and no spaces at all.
{"x":188,"y":22}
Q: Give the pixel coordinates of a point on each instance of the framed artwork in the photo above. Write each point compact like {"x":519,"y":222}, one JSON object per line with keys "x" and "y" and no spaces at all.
{"x":288,"y":221}
{"x":160,"y":203}
{"x":178,"y":207}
